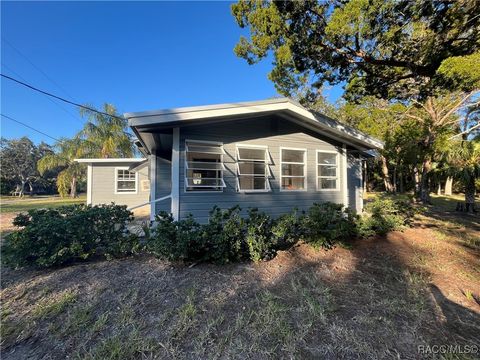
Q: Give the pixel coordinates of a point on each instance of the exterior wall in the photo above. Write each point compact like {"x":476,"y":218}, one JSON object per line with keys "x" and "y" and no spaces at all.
{"x":274,"y":133}
{"x":355,"y":188}
{"x":163,"y":184}
{"x":103,"y":186}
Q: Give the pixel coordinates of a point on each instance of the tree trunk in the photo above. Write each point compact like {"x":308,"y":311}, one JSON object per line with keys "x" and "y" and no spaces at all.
{"x":365,"y":176}
{"x":448,"y":186}
{"x":439,"y":188}
{"x":416,"y":178}
{"x":424,"y":186}
{"x":385,"y":175}
{"x":470,"y":195}
{"x":73,"y":188}
{"x":401,"y":184}
{"x":22,"y":188}
{"x":30,"y":186}
{"x":394,"y":183}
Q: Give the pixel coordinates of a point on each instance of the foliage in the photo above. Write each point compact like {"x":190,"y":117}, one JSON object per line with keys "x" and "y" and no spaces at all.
{"x":392,"y":49}
{"x":51,"y":237}
{"x":105,"y":136}
{"x":326,"y":223}
{"x":19,"y":164}
{"x":288,"y":229}
{"x":261,"y":244}
{"x":384,"y":215}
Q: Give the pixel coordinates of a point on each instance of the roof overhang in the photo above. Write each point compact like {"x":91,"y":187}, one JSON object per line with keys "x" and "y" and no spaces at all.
{"x":142,"y":122}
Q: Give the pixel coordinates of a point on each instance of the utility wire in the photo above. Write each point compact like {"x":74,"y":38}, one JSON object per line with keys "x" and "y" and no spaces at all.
{"x":36,"y":67}
{"x":51,"y":100}
{"x":60,"y":98}
{"x":28,"y":126}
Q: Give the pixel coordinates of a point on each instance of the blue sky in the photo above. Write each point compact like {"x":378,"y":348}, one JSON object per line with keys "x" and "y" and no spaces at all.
{"x":137,"y":56}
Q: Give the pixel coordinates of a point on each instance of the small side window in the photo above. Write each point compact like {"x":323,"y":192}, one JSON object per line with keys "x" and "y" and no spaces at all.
{"x":327,"y":171}
{"x":125,"y":181}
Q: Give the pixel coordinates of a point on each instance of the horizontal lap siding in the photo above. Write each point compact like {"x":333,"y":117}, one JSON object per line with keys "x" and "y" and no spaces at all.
{"x":259,"y":132}
{"x":103,"y":186}
{"x":163,"y":184}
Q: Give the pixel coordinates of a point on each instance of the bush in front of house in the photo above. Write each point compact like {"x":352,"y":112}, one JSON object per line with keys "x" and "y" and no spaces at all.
{"x":51,"y":237}
{"x":383,"y":215}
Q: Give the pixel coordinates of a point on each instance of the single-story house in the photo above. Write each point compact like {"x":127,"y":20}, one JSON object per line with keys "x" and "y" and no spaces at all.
{"x":274,"y":155}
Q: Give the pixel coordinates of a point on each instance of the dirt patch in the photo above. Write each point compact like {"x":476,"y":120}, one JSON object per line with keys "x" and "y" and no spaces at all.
{"x":382,"y":298}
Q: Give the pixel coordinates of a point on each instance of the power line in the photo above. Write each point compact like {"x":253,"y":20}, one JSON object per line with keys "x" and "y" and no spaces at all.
{"x":28,"y":126}
{"x":36,"y":67}
{"x":51,"y":100}
{"x":60,"y":98}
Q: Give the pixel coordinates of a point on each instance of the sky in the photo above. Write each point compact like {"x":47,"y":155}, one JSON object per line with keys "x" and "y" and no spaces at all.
{"x":137,"y":56}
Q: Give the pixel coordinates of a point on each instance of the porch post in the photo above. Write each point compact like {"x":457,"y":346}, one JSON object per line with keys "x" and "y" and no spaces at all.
{"x":344,"y":176}
{"x":176,"y":174}
{"x":89,"y":184}
{"x":153,"y":185}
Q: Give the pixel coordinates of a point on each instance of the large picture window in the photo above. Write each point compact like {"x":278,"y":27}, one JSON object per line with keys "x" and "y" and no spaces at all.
{"x":327,"y":170}
{"x":125,"y":181}
{"x":204,"y":166}
{"x":252,"y":168}
{"x":293,"y":169}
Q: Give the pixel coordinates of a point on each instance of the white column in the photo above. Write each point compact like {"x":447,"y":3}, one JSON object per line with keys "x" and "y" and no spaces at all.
{"x":89,"y":184}
{"x":153,"y":187}
{"x":344,"y":176}
{"x":176,"y":173}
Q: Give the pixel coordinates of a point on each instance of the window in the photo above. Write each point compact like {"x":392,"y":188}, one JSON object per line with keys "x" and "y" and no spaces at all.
{"x":204,"y":166}
{"x":252,"y":168}
{"x":292,"y":175}
{"x":327,"y":170}
{"x":125,"y":181}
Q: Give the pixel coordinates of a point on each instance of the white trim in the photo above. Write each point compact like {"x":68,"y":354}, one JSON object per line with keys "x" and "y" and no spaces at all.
{"x":176,"y":174}
{"x":116,"y":192}
{"x":89,"y":184}
{"x":337,"y":178}
{"x":185,"y":182}
{"x":295,"y":163}
{"x":111,"y":160}
{"x":153,"y":186}
{"x":344,"y":176}
{"x":266,"y":161}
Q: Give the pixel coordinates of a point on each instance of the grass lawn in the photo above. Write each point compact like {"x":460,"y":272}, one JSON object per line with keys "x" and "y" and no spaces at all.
{"x":11,"y":204}
{"x":380,"y":298}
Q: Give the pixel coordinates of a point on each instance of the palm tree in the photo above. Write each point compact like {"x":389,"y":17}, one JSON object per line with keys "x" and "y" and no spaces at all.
{"x":67,"y":151}
{"x":105,"y":136}
{"x":464,"y":163}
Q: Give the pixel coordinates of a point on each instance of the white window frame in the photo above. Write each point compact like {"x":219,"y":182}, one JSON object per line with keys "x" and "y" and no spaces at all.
{"x":116,"y":182}
{"x":318,"y":176}
{"x":185,"y":179}
{"x":267,"y":168}
{"x":288,"y":162}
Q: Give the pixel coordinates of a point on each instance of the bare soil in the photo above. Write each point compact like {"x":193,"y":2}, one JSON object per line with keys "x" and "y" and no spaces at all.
{"x":378,"y":298}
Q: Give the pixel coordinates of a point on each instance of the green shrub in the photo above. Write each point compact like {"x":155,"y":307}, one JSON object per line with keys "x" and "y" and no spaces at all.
{"x":259,"y":238}
{"x":326,"y":223}
{"x":385,"y":215}
{"x":288,"y":229}
{"x":224,"y":235}
{"x":51,"y":237}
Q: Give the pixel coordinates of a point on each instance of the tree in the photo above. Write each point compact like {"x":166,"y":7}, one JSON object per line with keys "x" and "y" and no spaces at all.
{"x":401,"y":51}
{"x":389,"y":48}
{"x":464,"y":161}
{"x":105,"y":136}
{"x":67,"y":151}
{"x":18,"y":162}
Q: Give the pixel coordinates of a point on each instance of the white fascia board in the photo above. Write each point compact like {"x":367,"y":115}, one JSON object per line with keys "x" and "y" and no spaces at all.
{"x":112,"y":160}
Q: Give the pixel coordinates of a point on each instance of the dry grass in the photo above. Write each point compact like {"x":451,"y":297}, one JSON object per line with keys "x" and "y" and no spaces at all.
{"x":380,"y":298}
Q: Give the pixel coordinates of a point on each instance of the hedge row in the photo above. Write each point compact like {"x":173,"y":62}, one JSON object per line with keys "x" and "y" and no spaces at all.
{"x":51,"y":237}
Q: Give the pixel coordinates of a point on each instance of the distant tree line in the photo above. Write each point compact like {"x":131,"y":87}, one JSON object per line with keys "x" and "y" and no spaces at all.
{"x":45,"y":169}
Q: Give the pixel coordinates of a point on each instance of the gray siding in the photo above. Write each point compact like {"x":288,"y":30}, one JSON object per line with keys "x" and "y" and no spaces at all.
{"x":269,"y":132}
{"x":103,"y":186}
{"x":355,"y":188}
{"x":164,"y":184}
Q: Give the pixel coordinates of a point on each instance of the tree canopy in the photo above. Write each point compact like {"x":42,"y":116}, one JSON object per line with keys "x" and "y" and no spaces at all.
{"x":387,"y":48}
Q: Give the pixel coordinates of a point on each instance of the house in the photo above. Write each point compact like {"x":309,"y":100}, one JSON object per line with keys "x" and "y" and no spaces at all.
{"x":273,"y":155}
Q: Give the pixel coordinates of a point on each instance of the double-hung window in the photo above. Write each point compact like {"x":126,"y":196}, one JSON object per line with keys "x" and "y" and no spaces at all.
{"x":204,"y":166}
{"x":293,"y":169}
{"x":327,"y":170}
{"x":125,"y":181}
{"x":252,"y":168}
